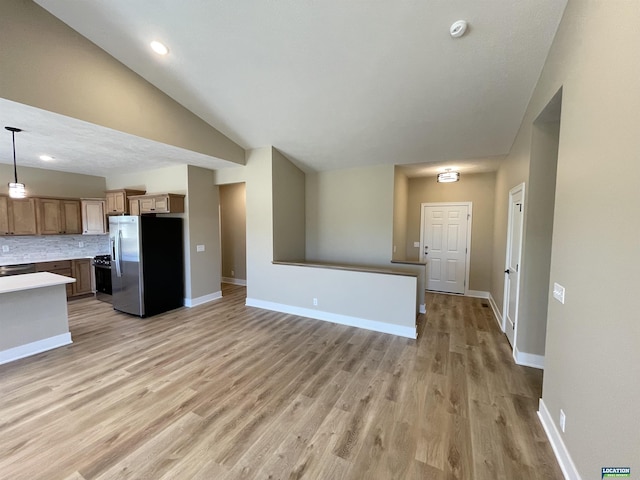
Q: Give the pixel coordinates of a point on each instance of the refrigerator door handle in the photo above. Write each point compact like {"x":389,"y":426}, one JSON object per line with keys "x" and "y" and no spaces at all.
{"x":119,"y":254}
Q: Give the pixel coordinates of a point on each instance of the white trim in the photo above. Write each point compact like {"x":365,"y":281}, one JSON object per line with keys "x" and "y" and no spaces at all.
{"x":467,"y":258}
{"x":409,"y":332}
{"x":567,"y":466}
{"x":32,"y":348}
{"x":528,"y":359}
{"x":423,"y":308}
{"x":496,"y":312}
{"x":476,"y":294}
{"x":194,"y":302}
{"x":234,"y":281}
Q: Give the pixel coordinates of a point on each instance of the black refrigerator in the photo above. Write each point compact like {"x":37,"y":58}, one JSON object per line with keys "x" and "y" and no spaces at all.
{"x":147,"y":264}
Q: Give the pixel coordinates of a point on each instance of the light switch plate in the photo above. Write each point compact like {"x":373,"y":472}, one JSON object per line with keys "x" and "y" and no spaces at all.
{"x":558,"y":292}
{"x":416,"y":244}
{"x":199,"y":248}
{"x":5,"y":248}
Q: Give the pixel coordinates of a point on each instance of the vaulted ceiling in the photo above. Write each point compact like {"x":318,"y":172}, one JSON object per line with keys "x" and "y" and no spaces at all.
{"x":336,"y":83}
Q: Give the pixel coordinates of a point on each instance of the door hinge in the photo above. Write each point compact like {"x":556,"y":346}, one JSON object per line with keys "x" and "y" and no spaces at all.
{"x":519,"y":206}
{"x":468,"y":216}
{"x":466,"y":250}
{"x":517,"y":267}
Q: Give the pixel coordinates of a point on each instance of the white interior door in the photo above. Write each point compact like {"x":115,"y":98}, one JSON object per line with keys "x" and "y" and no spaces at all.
{"x":513,"y":262}
{"x":445,"y":229}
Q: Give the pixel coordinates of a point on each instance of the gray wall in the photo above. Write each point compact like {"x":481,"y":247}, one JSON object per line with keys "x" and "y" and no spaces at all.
{"x":78,"y":79}
{"x":233,"y":230}
{"x":288,"y":209}
{"x":592,"y":359}
{"x":476,"y":188}
{"x":400,"y":201}
{"x":350,"y":215}
{"x":49,"y":183}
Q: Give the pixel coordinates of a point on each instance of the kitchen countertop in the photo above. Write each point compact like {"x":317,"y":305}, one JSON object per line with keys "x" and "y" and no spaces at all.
{"x":38,"y":259}
{"x":29,"y":281}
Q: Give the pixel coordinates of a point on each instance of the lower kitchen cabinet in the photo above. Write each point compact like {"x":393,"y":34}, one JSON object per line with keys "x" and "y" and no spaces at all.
{"x":80,"y":269}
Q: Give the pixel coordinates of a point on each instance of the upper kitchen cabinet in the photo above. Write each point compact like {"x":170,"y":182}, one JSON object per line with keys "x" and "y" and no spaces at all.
{"x":93,"y":216}
{"x":17,"y":216}
{"x":4,"y":216}
{"x":157,"y":203}
{"x":118,"y":200}
{"x":58,"y":216}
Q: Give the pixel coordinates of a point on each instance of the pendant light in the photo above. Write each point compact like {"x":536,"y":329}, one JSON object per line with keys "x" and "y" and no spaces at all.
{"x":16,"y":190}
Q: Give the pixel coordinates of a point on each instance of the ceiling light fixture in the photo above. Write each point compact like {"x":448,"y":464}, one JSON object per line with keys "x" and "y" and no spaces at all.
{"x":16,"y":190}
{"x":159,"y":47}
{"x":448,"y":176}
{"x":46,"y":158}
{"x":458,"y":28}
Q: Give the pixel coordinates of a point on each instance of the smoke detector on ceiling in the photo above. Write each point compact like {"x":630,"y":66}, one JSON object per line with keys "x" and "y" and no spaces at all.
{"x":458,"y":28}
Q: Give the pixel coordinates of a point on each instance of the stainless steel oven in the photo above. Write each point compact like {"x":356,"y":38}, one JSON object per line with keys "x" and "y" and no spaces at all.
{"x":102,"y":265}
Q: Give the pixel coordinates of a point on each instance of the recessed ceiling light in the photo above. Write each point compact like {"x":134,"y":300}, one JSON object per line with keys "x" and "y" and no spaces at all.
{"x":46,"y":158}
{"x":159,"y":47}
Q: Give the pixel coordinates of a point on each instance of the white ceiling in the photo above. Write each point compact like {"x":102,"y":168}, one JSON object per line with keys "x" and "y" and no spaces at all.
{"x":336,"y":83}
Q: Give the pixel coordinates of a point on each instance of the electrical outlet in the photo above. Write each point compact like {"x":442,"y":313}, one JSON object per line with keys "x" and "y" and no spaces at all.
{"x":80,"y":244}
{"x":199,"y":248}
{"x":558,"y":292}
{"x":394,"y":249}
{"x":5,"y":248}
{"x":315,"y":302}
{"x":563,"y":420}
{"x":233,"y":274}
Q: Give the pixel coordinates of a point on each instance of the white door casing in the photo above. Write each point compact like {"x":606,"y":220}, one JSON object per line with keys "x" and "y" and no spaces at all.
{"x":445,"y":240}
{"x":513,"y":262}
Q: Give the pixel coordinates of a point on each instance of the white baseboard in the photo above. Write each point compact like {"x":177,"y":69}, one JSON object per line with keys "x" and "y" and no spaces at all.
{"x":567,"y":466}
{"x":496,"y":312}
{"x":193,"y":302}
{"x":409,"y":332}
{"x":234,"y":281}
{"x":32,"y":348}
{"x":477,"y":294}
{"x":528,"y":359}
{"x":423,"y":308}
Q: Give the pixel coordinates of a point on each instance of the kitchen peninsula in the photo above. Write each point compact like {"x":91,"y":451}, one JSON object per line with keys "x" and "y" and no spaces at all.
{"x":33,"y":314}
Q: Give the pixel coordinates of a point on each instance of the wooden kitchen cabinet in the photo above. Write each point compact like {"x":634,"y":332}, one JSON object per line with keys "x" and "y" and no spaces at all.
{"x":58,"y":216}
{"x":4,"y":216}
{"x":21,"y":216}
{"x":94,"y":220}
{"x":81,"y":270}
{"x":118,"y":200}
{"x":60,"y":267}
{"x":158,"y":203}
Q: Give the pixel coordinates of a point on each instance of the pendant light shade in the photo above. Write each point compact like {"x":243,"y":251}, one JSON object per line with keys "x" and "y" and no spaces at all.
{"x":16,"y":189}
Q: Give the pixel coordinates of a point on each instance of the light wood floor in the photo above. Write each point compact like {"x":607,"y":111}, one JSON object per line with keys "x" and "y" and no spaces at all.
{"x":224,"y":391}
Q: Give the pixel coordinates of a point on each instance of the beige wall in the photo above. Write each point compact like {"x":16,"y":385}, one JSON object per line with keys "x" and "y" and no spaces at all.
{"x":204,"y":229}
{"x":400,"y":200}
{"x":48,"y":65}
{"x":49,"y":183}
{"x":233,"y":230}
{"x":350,"y":215}
{"x":476,"y":188}
{"x":288,"y":209}
{"x":592,"y":359}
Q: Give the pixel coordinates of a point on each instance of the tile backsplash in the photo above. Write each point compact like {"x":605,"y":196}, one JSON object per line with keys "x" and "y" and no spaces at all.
{"x":51,"y":247}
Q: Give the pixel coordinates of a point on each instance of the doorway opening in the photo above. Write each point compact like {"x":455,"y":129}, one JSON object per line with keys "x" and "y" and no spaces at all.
{"x":529,"y":332}
{"x":233,"y":233}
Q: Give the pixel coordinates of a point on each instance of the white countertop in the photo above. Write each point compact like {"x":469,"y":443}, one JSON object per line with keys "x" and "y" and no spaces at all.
{"x":29,"y":281}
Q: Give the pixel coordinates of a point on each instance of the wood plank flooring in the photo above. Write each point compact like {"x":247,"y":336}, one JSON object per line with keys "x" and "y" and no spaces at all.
{"x":224,"y":391}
